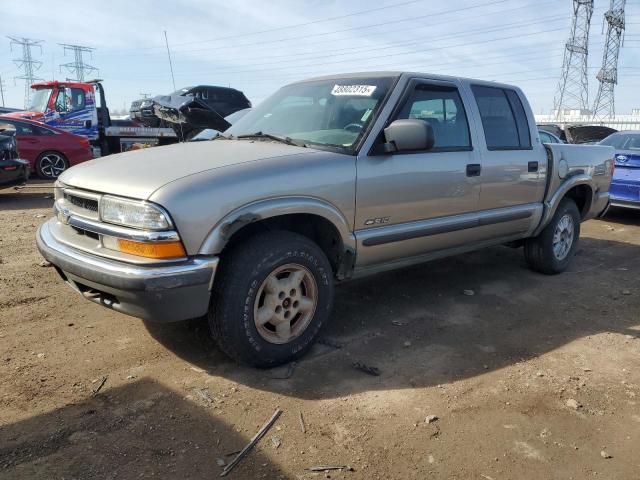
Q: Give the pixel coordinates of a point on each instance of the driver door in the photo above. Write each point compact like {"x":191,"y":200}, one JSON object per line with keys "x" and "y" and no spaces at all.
{"x":413,"y":203}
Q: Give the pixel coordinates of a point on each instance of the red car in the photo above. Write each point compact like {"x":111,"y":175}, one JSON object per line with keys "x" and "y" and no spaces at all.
{"x":49,"y":150}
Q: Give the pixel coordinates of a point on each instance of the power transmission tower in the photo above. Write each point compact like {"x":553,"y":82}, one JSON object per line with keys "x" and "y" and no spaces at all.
{"x":608,"y":74}
{"x":78,"y":68}
{"x":573,"y":88}
{"x":28,"y":65}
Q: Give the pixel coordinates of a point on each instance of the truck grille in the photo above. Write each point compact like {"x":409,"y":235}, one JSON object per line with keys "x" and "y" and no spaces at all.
{"x":81,"y":202}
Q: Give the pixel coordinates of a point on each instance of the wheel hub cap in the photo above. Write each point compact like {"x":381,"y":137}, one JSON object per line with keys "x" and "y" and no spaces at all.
{"x":52,"y":165}
{"x":285,"y":303}
{"x":563,"y":237}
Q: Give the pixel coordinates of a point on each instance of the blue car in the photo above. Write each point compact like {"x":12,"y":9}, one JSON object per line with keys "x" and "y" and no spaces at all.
{"x":625,"y":187}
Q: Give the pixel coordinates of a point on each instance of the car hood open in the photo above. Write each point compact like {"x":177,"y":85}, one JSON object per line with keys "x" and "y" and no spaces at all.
{"x":587,"y":133}
{"x":187,"y":113}
{"x":138,"y":173}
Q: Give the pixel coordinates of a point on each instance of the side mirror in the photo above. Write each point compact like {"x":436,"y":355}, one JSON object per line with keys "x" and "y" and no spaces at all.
{"x":408,"y":135}
{"x":87,"y":124}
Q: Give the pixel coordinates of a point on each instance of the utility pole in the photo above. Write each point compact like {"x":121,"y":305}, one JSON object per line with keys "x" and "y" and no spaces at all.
{"x":170,"y":64}
{"x":608,"y":75}
{"x":28,"y":65}
{"x":78,"y":68}
{"x":573,"y":88}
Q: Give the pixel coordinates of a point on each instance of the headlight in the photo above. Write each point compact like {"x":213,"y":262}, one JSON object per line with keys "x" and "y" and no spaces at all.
{"x":131,"y":213}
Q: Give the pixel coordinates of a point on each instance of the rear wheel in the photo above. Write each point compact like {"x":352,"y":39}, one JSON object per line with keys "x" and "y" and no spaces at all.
{"x":552,"y":250}
{"x":271,"y":296}
{"x":51,"y":164}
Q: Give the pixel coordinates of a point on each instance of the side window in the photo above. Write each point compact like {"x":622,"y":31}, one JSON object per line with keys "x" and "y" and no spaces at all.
{"x":61,"y":103}
{"x":521,"y":118}
{"x":24,"y":129}
{"x":503,"y":118}
{"x":442,"y":107}
{"x":43,"y":131}
{"x":70,"y":100}
{"x":546,"y":138}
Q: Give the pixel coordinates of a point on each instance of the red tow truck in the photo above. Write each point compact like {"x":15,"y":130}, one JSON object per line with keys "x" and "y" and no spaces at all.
{"x":80,"y":108}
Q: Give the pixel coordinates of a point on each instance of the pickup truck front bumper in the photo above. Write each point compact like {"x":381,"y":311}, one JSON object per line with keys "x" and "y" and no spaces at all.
{"x":159,"y":293}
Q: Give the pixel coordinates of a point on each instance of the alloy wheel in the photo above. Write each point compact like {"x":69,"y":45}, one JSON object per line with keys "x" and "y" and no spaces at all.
{"x":285,"y":303}
{"x":563,"y":237}
{"x":52,"y":165}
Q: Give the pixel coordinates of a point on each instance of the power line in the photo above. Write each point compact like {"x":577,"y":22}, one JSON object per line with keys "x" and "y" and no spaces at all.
{"x":286,"y":27}
{"x":78,"y":68}
{"x":413,"y":42}
{"x":321,"y":34}
{"x":396,"y":54}
{"x":27,"y":63}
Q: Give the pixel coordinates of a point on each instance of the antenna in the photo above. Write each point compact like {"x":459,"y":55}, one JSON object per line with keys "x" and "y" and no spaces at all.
{"x":78,"y":68}
{"x":170,"y":64}
{"x":2,"y":90}
{"x":28,"y":65}
{"x":573,"y":88}
{"x":608,"y":75}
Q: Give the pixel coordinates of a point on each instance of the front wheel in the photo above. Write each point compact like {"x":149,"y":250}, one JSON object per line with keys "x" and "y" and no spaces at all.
{"x":51,"y":164}
{"x":552,"y":250}
{"x":271,"y":296}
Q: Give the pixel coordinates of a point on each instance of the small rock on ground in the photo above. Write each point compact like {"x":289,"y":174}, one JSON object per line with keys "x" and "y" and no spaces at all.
{"x":572,"y":403}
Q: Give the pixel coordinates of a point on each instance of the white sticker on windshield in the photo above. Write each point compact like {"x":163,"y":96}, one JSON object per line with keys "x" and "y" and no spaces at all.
{"x":354,"y":90}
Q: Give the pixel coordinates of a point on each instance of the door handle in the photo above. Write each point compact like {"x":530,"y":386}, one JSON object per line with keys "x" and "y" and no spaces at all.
{"x":532,"y":167}
{"x":473,"y":170}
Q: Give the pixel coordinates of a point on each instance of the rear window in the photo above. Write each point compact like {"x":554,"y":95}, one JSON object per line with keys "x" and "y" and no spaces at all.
{"x":623,"y":141}
{"x":504,"y":119}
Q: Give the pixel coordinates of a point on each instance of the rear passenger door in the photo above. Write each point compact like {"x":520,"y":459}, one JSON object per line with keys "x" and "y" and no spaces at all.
{"x":514,"y":162}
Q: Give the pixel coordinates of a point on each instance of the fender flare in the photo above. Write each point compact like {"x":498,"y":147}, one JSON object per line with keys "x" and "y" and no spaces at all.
{"x":551,"y":205}
{"x":222,"y":232}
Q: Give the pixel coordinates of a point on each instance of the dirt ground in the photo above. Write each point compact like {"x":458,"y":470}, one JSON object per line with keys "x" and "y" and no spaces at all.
{"x":532,"y":377}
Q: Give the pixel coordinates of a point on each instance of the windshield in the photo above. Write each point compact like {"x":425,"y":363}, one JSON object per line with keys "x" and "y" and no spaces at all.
{"x":623,"y":141}
{"x":39,"y":100}
{"x":331,"y":113}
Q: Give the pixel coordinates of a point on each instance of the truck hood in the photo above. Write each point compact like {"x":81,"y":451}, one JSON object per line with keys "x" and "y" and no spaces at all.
{"x":139,"y":173}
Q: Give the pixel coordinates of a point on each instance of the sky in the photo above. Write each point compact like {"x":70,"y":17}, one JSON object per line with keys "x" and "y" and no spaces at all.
{"x":258,"y":46}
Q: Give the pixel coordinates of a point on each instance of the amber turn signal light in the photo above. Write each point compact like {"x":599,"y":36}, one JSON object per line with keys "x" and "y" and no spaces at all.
{"x":158,"y":250}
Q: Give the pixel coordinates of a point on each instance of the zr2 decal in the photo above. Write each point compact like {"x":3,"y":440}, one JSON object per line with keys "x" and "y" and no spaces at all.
{"x":376,"y":221}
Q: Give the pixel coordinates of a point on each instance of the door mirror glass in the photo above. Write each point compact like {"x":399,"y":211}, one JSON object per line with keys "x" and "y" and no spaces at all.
{"x":408,"y":135}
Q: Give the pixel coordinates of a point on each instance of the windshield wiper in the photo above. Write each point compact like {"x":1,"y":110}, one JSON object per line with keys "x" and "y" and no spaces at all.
{"x":285,"y":140}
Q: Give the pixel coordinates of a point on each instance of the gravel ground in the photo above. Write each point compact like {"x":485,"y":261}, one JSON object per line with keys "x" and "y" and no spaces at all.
{"x":530,"y":377}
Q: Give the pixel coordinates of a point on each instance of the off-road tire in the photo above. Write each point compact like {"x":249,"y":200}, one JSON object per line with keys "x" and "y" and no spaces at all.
{"x":242,"y":271}
{"x":538,"y":251}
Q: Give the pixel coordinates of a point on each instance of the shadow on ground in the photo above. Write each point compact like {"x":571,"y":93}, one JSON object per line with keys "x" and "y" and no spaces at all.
{"x":420,"y":330}
{"x":626,"y":216}
{"x":40,"y":196}
{"x":141,"y":430}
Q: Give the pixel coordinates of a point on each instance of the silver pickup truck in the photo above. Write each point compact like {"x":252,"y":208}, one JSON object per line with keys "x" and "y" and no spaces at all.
{"x":327,"y":179}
